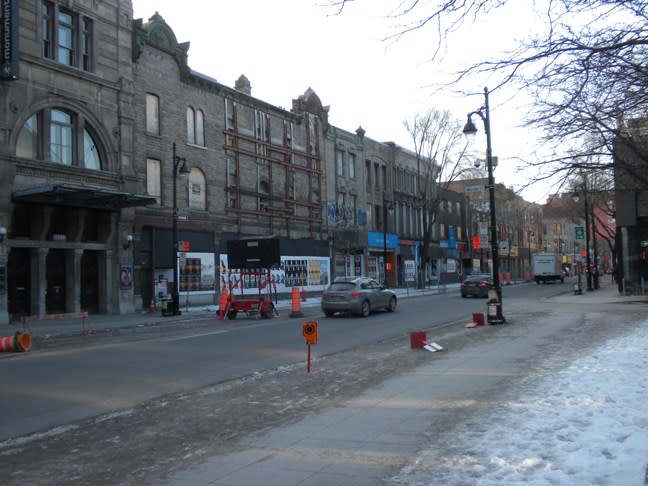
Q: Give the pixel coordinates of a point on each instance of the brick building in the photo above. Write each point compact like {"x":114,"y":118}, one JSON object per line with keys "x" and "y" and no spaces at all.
{"x":68,"y":184}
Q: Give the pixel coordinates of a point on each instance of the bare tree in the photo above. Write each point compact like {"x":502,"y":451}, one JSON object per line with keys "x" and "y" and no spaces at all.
{"x":586,"y":68}
{"x":441,"y":154}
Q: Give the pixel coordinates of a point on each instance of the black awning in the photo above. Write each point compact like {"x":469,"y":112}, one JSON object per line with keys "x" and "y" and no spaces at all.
{"x":80,"y":196}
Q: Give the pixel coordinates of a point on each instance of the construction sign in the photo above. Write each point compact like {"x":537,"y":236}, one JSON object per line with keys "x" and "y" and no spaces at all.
{"x":309,"y":331}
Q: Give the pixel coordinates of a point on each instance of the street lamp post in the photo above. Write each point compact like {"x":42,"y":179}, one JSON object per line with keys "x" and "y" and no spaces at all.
{"x":529,"y":235}
{"x":181,"y":163}
{"x":587,"y":237}
{"x":387,"y":208}
{"x":471,"y":129}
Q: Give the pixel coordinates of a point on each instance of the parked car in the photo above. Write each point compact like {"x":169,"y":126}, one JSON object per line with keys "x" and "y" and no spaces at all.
{"x":357,"y":295}
{"x":476,"y":285}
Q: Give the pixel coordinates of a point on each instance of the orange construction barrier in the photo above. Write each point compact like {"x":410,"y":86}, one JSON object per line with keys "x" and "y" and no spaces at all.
{"x":508,"y":278}
{"x":22,"y":341}
{"x":295,"y":307}
{"x":222,"y":304}
{"x":418,"y":339}
{"x":477,"y":320}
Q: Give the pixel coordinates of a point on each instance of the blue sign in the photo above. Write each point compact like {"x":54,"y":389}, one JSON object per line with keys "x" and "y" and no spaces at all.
{"x":452,"y":237}
{"x":376,"y":240}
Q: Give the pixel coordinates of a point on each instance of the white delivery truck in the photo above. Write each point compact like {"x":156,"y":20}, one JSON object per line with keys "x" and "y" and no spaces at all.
{"x":547,"y":267}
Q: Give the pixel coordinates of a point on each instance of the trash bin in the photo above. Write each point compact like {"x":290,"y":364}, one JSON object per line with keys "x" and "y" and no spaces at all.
{"x":167,"y":307}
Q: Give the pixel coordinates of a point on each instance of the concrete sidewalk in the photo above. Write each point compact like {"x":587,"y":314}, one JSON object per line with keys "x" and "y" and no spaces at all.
{"x":370,"y":437}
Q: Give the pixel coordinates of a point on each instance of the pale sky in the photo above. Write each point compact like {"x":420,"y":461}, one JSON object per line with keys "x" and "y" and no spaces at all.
{"x":286,"y":46}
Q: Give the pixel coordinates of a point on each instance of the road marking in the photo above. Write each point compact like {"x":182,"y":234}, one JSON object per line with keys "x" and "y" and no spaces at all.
{"x":191,"y":336}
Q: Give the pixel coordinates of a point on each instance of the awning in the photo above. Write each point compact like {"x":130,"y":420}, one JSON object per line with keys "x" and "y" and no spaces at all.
{"x":80,"y":196}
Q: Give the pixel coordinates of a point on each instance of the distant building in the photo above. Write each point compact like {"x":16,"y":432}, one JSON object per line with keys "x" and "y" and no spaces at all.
{"x":631,"y":195}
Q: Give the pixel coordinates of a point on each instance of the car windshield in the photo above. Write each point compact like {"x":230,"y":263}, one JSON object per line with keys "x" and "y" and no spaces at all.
{"x":477,"y":278}
{"x":341,"y":286}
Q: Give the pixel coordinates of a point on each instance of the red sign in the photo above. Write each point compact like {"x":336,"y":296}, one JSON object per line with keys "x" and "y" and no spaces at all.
{"x":389,"y":266}
{"x":476,"y":242}
{"x":583,"y":253}
{"x":183,"y":245}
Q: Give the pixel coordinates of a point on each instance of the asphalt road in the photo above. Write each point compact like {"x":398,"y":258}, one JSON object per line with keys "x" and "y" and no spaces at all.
{"x":186,"y":437}
{"x":57,"y":386}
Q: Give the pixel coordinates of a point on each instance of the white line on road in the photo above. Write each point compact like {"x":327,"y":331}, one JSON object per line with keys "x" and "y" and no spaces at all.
{"x":191,"y":336}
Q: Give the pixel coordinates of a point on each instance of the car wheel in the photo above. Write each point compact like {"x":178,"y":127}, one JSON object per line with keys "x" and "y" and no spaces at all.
{"x":366,"y":309}
{"x":392,"y":305}
{"x":464,"y":295}
{"x":231,"y":315}
{"x":328,"y":313}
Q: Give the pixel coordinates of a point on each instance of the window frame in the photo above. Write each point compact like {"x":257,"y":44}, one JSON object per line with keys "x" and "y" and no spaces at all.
{"x":197,"y":179}
{"x":153,"y":114}
{"x":42,"y":139}
{"x":154,"y":178}
{"x":339,"y":162}
{"x":73,"y":36}
{"x":195,"y":126}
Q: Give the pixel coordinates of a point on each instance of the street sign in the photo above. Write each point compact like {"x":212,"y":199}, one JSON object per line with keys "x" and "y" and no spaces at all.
{"x":580,"y":232}
{"x":309,"y":331}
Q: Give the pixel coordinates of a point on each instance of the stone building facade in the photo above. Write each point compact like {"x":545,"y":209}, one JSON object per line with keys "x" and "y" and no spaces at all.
{"x":68,"y":187}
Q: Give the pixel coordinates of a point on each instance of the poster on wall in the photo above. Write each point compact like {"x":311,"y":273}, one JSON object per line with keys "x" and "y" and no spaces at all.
{"x":308,"y":273}
{"x":126,"y":277}
{"x":197,"y":273}
{"x":410,"y":271}
{"x":451,"y":265}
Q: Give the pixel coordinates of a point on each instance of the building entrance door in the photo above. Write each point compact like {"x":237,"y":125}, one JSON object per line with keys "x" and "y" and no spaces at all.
{"x":18,"y":283}
{"x":89,"y":282}
{"x":55,"y":296}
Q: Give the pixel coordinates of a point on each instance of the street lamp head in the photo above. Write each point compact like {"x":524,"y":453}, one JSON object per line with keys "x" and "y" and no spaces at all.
{"x":469,"y":128}
{"x":575,"y":197}
{"x":184,"y":168}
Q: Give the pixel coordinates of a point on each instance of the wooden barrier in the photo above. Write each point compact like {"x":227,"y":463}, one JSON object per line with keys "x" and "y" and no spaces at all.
{"x":83,"y":315}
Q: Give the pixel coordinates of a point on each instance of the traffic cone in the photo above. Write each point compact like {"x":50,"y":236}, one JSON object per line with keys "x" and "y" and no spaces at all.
{"x":295,"y":308}
{"x":151,"y":309}
{"x":21,"y":341}
{"x":7,"y":343}
{"x":222,"y":304}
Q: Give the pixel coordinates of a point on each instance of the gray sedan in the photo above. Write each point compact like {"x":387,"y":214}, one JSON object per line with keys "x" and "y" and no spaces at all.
{"x":357,"y":295}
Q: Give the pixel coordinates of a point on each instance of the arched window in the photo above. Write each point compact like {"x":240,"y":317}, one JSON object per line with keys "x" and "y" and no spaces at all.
{"x":197,"y":190}
{"x":195,"y":127}
{"x":53,"y":135}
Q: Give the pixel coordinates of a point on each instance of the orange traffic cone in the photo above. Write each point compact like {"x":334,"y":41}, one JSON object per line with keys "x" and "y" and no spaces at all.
{"x":295,"y":308}
{"x":22,"y":341}
{"x":222,"y":305}
{"x":151,"y":309}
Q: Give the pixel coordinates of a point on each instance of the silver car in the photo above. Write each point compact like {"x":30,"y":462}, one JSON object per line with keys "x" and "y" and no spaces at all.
{"x":357,"y":295}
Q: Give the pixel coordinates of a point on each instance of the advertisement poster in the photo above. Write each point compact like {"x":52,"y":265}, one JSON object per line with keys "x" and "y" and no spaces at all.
{"x":307,"y":273}
{"x":197,"y":273}
{"x":126,"y":277}
{"x":410,"y":271}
